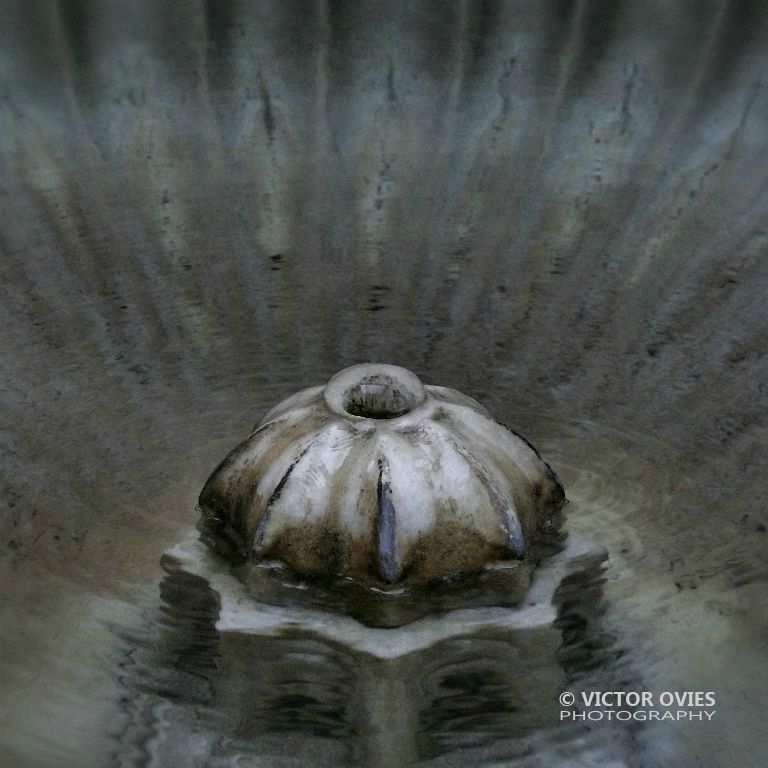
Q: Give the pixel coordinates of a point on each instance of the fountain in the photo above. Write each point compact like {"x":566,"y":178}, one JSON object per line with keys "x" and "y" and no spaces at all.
{"x":557,"y":207}
{"x":397,"y":526}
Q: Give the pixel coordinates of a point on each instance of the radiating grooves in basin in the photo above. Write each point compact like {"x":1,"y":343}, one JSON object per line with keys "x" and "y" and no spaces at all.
{"x":660,"y":148}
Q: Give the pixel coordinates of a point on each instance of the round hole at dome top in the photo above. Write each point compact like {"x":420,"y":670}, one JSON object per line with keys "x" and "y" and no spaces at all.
{"x":378,"y":398}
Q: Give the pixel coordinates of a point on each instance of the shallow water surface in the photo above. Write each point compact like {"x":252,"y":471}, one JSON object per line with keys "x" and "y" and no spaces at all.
{"x":657,"y":615}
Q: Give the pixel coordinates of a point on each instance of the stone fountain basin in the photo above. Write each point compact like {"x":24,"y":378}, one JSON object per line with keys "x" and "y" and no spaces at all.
{"x":557,"y":208}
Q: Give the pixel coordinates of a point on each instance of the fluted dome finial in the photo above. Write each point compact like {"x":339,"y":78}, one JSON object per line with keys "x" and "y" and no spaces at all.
{"x":380,"y":478}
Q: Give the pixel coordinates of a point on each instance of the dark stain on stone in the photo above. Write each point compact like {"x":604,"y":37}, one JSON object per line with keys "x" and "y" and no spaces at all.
{"x":75,"y":16}
{"x":219,"y":27}
{"x":450,"y":542}
{"x":268,"y":115}
{"x":375,"y":296}
{"x":391,"y":93}
{"x":485,"y":24}
{"x":596,"y":35}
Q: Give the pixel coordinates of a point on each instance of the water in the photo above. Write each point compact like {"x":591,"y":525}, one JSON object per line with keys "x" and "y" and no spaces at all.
{"x":651,"y":617}
{"x":150,"y":679}
{"x":478,"y":689}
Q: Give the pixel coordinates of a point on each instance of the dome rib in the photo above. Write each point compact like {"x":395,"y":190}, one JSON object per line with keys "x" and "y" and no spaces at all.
{"x":251,"y":451}
{"x":504,"y":507}
{"x":346,"y":480}
{"x":497,"y":441}
{"x":261,"y":527}
{"x":531,"y":466}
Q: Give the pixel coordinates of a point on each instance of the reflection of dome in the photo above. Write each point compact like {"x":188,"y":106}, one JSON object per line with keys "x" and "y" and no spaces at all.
{"x":378,"y":477}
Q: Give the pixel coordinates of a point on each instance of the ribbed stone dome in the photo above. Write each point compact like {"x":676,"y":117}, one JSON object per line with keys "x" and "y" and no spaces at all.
{"x":378,"y":477}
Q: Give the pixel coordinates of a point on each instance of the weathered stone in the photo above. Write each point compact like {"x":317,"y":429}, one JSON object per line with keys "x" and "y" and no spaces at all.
{"x":383,"y":479}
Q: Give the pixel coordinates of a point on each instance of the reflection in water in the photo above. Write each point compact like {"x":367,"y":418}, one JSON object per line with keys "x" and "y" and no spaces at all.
{"x":199,"y":696}
{"x":580,"y":605}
